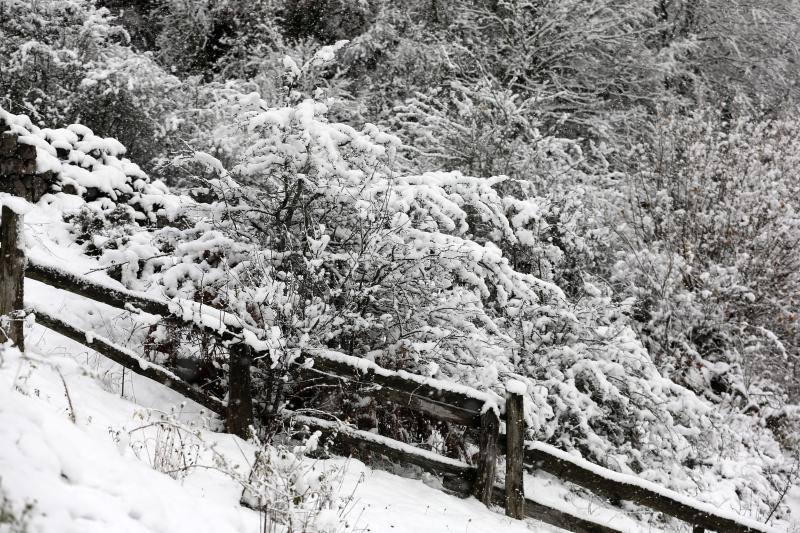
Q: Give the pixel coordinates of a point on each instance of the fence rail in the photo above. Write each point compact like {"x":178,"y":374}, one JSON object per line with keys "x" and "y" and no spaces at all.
{"x":438,"y":400}
{"x":129,"y":360}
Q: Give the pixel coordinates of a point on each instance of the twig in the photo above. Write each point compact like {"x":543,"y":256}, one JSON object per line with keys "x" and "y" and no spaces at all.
{"x":69,"y":399}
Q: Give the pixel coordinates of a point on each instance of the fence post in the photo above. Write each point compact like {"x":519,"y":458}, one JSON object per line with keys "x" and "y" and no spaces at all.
{"x":17,"y":169}
{"x":240,"y":397}
{"x":12,"y":277}
{"x":515,"y":435}
{"x":487,"y":457}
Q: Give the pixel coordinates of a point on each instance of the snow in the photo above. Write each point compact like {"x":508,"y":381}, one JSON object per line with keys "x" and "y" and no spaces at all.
{"x":74,"y":474}
{"x":93,"y":162}
{"x":80,"y":480}
{"x":18,"y":205}
{"x":514,"y":386}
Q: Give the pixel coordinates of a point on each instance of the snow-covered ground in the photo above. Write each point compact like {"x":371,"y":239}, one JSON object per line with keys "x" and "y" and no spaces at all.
{"x":80,"y":478}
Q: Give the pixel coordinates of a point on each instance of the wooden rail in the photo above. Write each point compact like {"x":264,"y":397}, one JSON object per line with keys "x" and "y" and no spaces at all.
{"x":433,"y":397}
{"x":129,"y":360}
{"x":215,"y":321}
{"x":618,"y":487}
{"x":238,"y":411}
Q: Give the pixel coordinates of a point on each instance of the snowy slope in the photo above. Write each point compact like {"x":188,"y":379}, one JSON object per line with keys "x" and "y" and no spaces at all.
{"x":84,"y":476}
{"x":79,"y":479}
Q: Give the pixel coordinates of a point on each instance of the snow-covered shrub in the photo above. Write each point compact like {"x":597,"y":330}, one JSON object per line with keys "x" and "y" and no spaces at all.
{"x":12,"y":519}
{"x":214,"y":39}
{"x":587,"y":64}
{"x":711,"y":229}
{"x":705,"y":238}
{"x":67,"y":61}
{"x":482,"y":130}
{"x":452,"y":276}
{"x":163,"y":442}
{"x":324,"y":245}
{"x":295,"y":493}
{"x":326,"y":20}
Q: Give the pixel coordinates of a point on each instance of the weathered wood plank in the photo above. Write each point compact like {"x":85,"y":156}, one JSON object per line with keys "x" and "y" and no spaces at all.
{"x":239,"y":416}
{"x":562,"y":520}
{"x":87,"y":288}
{"x":122,"y":299}
{"x":131,"y":361}
{"x":438,"y":403}
{"x":515,"y":437}
{"x":457,"y":477}
{"x":12,"y":277}
{"x":554,"y":517}
{"x":487,"y":457}
{"x":619,"y":490}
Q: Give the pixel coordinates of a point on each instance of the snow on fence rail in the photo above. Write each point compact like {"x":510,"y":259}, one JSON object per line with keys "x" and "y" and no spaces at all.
{"x":617,"y":487}
{"x":442,"y":400}
{"x":216,"y":321}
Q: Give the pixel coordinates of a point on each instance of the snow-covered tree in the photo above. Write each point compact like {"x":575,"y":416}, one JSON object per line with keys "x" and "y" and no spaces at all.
{"x":64,"y":62}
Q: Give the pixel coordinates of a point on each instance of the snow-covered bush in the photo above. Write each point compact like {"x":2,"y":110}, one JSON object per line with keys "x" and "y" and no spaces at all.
{"x":711,"y":228}
{"x":324,"y":245}
{"x":67,"y":61}
{"x":214,"y":39}
{"x":295,"y":493}
{"x":482,"y":131}
{"x":163,"y":442}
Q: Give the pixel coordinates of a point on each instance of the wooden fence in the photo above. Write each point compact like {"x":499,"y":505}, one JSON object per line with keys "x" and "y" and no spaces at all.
{"x":436,"y":399}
